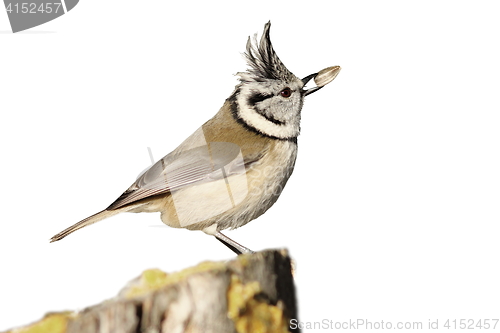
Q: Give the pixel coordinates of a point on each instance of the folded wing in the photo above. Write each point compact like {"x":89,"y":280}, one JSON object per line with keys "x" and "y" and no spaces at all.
{"x":177,"y":170}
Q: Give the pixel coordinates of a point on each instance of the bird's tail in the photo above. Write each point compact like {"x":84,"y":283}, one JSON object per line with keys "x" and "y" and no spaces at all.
{"x":88,"y":221}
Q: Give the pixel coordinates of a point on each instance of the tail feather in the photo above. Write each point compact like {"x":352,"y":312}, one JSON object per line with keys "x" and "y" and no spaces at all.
{"x":88,"y":221}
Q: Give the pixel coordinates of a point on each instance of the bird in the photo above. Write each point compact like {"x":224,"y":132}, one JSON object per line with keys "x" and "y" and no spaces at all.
{"x":234,"y":167}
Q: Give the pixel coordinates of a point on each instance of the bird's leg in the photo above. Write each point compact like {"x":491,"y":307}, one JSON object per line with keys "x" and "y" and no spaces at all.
{"x":235,"y":247}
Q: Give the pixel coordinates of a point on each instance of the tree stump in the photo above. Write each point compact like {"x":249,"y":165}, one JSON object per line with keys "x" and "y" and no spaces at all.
{"x":252,"y":293}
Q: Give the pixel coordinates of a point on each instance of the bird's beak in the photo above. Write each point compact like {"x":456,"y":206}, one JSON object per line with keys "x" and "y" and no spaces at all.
{"x":322,"y":78}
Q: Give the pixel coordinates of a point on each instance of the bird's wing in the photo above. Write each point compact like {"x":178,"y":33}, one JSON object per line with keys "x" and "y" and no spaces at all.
{"x":203,"y":164}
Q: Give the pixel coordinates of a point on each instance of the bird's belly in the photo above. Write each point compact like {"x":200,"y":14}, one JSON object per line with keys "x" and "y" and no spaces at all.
{"x":201,"y":202}
{"x":232,"y":201}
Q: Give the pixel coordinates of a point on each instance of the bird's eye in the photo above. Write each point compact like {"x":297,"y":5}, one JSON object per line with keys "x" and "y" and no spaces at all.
{"x":287,"y":92}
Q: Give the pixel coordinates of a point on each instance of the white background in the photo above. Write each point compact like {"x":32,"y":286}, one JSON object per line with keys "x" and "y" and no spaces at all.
{"x":392,"y":212}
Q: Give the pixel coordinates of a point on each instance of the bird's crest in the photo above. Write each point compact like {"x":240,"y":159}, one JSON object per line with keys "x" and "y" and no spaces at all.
{"x":263,"y":61}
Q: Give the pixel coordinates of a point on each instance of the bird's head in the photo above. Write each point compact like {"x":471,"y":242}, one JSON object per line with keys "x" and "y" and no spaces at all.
{"x":269,"y":97}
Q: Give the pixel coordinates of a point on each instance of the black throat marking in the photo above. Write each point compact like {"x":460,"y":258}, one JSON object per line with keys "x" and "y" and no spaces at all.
{"x":235,"y":112}
{"x":259,"y":97}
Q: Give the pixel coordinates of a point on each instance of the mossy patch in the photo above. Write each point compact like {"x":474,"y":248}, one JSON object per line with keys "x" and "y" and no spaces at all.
{"x":51,"y":323}
{"x":154,"y":279}
{"x":251,"y":315}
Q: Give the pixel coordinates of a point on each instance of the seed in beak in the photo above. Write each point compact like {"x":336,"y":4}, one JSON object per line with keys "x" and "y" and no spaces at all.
{"x":326,"y":75}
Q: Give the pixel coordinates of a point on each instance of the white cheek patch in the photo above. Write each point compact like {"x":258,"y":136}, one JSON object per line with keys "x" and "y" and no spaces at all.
{"x":290,"y":129}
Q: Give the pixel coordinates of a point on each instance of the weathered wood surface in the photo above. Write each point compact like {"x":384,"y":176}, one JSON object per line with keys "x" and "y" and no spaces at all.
{"x":252,"y":293}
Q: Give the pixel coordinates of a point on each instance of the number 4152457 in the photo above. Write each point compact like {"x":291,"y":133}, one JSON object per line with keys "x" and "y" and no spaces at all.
{"x":471,"y":324}
{"x":33,"y":8}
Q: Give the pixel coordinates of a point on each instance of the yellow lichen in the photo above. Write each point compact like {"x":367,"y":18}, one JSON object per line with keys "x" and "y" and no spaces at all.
{"x":244,"y":260}
{"x":251,"y":315}
{"x":154,"y":279}
{"x":239,"y":295}
{"x":51,"y":323}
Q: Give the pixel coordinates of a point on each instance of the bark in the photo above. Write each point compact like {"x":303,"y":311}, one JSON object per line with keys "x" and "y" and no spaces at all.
{"x":252,"y":293}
